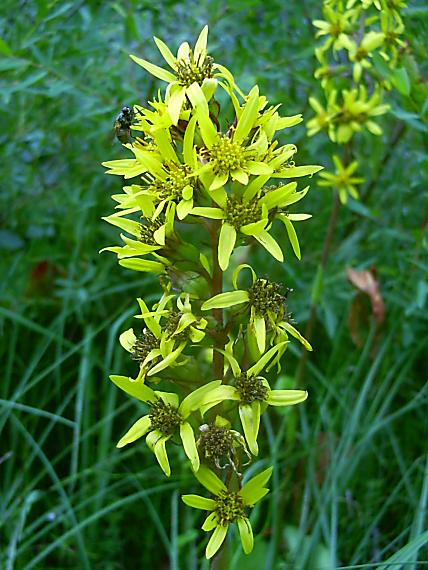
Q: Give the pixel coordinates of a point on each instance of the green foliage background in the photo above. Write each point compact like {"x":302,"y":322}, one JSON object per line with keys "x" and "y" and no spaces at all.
{"x":351,"y":476}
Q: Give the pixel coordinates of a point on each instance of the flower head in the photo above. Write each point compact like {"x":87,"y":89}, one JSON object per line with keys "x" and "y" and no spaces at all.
{"x":228,"y":507}
{"x":190,"y":66}
{"x":268,"y":315}
{"x":253,"y":393}
{"x":342,"y":180}
{"x":218,"y":444}
{"x":167,"y":332}
{"x":166,"y":417}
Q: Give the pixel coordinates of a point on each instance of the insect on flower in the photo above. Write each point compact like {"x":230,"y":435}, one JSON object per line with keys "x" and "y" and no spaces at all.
{"x":122,"y":125}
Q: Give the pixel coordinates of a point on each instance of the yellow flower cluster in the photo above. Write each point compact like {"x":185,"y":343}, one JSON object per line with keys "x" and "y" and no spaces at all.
{"x":190,"y":184}
{"x":360,"y":38}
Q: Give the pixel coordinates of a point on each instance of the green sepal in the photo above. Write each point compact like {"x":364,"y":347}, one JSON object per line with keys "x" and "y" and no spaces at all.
{"x":286,"y":397}
{"x":248,"y":117}
{"x":270,"y":244}
{"x":292,"y":236}
{"x":196,"y":398}
{"x":211,"y":213}
{"x":250,"y":420}
{"x":168,"y":360}
{"x":166,"y":53}
{"x":210,"y":522}
{"x":143,"y":265}
{"x":261,"y":363}
{"x":275,"y":198}
{"x":294,"y":332}
{"x":159,"y":449}
{"x":130,"y":226}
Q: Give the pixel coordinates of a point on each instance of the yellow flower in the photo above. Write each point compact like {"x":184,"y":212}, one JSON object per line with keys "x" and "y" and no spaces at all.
{"x":360,"y":53}
{"x":167,"y":416}
{"x":342,"y":180}
{"x":336,"y":25}
{"x":253,"y":394}
{"x":227,"y":507}
{"x":188,"y":67}
{"x":356,"y":113}
{"x":324,"y":118}
{"x":266,"y":304}
{"x":166,"y":334}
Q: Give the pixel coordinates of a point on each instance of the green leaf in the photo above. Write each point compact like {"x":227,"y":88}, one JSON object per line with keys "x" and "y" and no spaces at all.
{"x":401,"y":81}
{"x":318,"y":285}
{"x":400,"y":560}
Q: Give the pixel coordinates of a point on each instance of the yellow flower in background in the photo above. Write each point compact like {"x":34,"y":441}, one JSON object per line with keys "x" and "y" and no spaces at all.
{"x":337,"y":25}
{"x":342,"y":180}
{"x":360,"y":53}
{"x":227,"y":507}
{"x":356,"y":113}
{"x":324,"y":118}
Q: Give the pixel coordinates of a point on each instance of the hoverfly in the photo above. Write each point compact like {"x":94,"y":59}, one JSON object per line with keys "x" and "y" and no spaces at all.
{"x":122,"y":125}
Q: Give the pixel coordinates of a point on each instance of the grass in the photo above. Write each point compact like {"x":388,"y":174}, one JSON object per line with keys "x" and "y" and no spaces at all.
{"x":350,"y":483}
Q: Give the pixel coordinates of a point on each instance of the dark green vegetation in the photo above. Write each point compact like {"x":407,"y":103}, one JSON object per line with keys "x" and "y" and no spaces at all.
{"x":350,"y":483}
